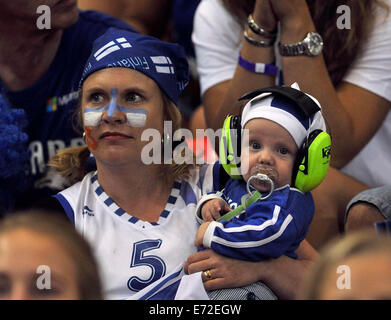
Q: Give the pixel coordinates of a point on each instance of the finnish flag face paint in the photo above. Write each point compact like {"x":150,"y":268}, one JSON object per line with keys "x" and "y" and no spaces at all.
{"x":135,"y":117}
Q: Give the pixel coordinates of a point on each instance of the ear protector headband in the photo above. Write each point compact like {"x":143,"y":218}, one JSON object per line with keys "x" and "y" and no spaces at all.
{"x":313,"y":158}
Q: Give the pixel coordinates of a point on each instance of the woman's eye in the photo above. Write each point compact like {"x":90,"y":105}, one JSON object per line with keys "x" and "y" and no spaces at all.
{"x":96,"y":98}
{"x":133,"y":97}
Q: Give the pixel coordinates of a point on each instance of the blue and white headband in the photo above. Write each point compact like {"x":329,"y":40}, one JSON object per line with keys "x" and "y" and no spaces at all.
{"x":285,"y":113}
{"x":161,"y":61}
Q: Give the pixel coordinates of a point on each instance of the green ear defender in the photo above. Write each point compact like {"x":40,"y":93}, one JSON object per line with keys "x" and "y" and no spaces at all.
{"x":230,"y":146}
{"x":313,"y":158}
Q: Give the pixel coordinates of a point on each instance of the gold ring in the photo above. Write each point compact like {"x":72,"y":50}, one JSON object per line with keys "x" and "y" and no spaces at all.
{"x":208,"y":274}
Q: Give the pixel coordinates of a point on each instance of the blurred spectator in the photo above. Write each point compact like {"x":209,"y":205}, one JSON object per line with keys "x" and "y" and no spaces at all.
{"x":43,"y":257}
{"x":39,"y":76}
{"x":355,"y":267}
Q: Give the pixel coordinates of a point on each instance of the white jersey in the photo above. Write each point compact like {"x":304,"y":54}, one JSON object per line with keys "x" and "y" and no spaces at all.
{"x":132,"y":253}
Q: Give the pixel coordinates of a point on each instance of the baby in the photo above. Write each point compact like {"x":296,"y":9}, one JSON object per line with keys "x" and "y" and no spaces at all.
{"x":269,"y":228}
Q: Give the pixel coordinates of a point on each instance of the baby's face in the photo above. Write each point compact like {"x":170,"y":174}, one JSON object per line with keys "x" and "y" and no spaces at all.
{"x":271,"y":151}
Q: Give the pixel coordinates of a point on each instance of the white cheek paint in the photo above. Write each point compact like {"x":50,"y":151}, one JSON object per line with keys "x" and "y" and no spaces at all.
{"x":137,"y":118}
{"x":92,"y":119}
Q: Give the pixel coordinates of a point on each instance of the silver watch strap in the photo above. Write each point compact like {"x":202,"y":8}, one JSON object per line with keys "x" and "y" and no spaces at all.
{"x":295,"y":49}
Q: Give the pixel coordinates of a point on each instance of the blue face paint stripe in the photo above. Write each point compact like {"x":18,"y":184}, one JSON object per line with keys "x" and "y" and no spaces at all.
{"x":96,"y":109}
{"x":113,"y":102}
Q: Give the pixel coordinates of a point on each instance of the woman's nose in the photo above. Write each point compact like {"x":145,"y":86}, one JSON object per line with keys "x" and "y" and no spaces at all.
{"x":115,"y":117}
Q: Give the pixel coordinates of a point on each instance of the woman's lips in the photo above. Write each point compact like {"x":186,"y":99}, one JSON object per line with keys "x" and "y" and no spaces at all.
{"x":114,"y":136}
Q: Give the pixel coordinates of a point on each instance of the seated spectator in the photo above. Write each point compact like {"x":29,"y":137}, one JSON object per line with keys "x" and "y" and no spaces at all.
{"x":346,"y":270}
{"x":131,"y":204}
{"x":40,"y":71}
{"x":42,"y":257}
{"x":237,"y":50}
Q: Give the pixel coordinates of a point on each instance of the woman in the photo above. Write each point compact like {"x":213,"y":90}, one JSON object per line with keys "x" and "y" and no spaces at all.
{"x":350,"y":77}
{"x":345,"y":269}
{"x":42,"y":257}
{"x":138,"y":216}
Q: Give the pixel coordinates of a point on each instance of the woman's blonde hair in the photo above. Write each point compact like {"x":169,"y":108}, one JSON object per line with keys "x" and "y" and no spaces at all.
{"x":61,"y":231}
{"x":71,"y":162}
{"x":356,"y":244}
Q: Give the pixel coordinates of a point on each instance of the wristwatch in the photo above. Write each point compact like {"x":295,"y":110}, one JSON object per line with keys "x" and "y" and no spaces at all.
{"x":312,"y":45}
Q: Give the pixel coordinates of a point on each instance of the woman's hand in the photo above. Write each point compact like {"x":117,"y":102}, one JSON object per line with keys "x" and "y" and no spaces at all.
{"x":295,"y":18}
{"x":264,"y":15}
{"x":283,"y":275}
{"x":225,"y":272}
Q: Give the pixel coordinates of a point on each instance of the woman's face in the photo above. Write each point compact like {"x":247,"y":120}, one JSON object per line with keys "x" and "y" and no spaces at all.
{"x":34,"y":267}
{"x":114,"y":140}
{"x":361,"y":277}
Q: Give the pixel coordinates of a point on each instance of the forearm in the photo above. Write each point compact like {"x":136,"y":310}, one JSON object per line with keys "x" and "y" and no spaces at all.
{"x":243,"y":80}
{"x":284,"y":275}
{"x":312,"y":76}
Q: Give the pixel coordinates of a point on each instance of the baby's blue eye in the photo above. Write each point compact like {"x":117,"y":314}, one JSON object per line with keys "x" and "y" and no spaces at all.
{"x":255,"y":145}
{"x":284,"y":150}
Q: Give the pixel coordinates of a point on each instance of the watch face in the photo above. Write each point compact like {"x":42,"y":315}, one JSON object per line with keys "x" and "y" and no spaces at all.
{"x":314,"y":43}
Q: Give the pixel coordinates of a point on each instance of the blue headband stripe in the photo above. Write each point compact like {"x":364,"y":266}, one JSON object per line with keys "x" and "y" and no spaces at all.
{"x":287,"y":105}
{"x":163,"y":62}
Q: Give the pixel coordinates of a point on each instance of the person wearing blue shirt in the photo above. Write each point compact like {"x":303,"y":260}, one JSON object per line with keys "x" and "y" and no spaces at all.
{"x":272,"y":227}
{"x":40,"y":71}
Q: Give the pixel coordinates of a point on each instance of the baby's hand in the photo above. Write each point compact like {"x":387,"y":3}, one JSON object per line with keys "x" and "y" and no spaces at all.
{"x":213,"y":209}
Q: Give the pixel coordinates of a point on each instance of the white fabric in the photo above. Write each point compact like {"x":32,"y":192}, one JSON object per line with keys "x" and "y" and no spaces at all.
{"x":114,"y":238}
{"x":372,"y":71}
{"x":192,"y":288}
{"x":218,"y":39}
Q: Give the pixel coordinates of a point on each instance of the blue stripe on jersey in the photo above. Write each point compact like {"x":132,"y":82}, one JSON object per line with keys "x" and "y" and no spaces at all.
{"x":187,"y":194}
{"x":202,"y":174}
{"x":99,"y":190}
{"x":165,"y":213}
{"x":166,"y":289}
{"x":94,"y":178}
{"x":120,"y":212}
{"x":133,"y":219}
{"x":108,"y":202}
{"x":67,"y":207}
{"x":171,"y":200}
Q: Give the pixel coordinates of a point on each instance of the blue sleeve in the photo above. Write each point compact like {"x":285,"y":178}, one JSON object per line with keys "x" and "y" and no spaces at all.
{"x":268,"y":231}
{"x":67,"y":207}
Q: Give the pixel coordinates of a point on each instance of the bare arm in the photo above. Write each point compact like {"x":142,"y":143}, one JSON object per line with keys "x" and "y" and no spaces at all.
{"x":219,"y":99}
{"x":282,"y":275}
{"x":353,"y":114}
